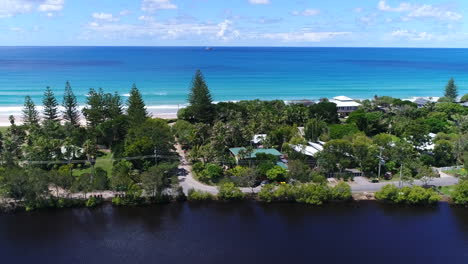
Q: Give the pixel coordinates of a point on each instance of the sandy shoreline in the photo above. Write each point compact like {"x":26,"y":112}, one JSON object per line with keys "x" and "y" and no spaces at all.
{"x":4,"y":121}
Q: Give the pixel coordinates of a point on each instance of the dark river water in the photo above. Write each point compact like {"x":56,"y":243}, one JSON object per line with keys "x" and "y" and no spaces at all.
{"x":237,"y":233}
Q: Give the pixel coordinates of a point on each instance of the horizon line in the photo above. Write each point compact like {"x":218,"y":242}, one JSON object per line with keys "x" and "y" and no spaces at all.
{"x":221,"y":46}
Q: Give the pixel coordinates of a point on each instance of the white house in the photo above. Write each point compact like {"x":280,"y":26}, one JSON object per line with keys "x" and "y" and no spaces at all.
{"x":345,"y":105}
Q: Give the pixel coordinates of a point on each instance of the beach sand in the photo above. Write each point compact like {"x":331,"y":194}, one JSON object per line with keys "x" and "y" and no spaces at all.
{"x":4,"y":122}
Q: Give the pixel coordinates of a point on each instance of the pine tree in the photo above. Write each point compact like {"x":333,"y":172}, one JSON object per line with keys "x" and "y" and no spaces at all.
{"x":30,"y":114}
{"x":70,"y":113}
{"x":94,"y":111}
{"x":201,"y":107}
{"x":112,"y":105}
{"x":50,"y":105}
{"x":451,"y":90}
{"x":136,"y":110}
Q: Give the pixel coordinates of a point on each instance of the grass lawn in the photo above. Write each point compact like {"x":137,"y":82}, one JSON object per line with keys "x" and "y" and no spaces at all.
{"x":104,"y":162}
{"x":447,"y":190}
{"x":456,"y":172}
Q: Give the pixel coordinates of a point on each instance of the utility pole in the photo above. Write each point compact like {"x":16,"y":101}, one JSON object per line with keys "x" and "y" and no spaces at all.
{"x":380,"y":162}
{"x":401,"y":173}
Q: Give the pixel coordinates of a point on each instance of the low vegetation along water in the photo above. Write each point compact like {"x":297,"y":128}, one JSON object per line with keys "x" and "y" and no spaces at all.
{"x":243,"y":232}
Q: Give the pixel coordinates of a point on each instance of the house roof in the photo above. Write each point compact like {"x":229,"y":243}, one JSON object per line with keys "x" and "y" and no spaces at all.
{"x":306,"y":150}
{"x":344,"y":101}
{"x":235,"y":152}
{"x":282,"y":164}
{"x":316,"y":146}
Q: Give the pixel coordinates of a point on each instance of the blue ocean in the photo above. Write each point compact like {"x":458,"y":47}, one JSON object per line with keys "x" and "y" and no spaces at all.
{"x":163,"y":74}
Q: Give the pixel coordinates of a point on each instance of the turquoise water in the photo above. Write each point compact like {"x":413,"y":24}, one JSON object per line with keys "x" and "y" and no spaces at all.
{"x":163,"y":74}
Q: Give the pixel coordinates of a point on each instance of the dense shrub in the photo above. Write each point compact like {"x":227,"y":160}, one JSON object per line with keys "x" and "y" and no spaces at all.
{"x":341,"y":192}
{"x":277,"y":174}
{"x":212,"y":172}
{"x":415,"y":195}
{"x":228,"y":192}
{"x":194,"y":195}
{"x":460,"y":194}
{"x":312,"y":194}
{"x":93,"y":201}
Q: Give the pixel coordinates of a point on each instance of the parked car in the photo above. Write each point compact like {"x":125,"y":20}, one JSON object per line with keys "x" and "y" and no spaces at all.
{"x":388,"y":175}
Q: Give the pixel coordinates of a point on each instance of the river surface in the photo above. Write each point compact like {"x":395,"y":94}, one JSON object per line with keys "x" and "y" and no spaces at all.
{"x":237,"y":233}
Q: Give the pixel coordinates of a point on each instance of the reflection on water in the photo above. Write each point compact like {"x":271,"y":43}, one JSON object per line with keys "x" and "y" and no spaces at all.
{"x":238,"y":233}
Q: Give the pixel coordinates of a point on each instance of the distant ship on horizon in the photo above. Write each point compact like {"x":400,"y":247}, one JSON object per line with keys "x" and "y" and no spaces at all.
{"x":208,"y":48}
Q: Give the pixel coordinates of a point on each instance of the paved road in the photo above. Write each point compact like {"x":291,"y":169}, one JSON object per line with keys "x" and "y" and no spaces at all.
{"x":362,"y":186}
{"x":188,"y":182}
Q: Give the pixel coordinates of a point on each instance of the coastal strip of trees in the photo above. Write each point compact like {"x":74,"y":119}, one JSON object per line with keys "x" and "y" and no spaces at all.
{"x":64,"y":156}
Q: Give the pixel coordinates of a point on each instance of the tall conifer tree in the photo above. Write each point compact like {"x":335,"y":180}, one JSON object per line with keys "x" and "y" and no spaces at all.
{"x":201,"y":107}
{"x":50,"y":105}
{"x":70,"y":113}
{"x":451,"y":90}
{"x":30,"y":114}
{"x":136,"y":110}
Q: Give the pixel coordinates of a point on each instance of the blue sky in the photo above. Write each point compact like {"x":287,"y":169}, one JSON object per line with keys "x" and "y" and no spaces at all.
{"x":350,"y":23}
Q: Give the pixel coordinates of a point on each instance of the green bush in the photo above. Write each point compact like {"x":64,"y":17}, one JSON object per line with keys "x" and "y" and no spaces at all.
{"x":312,"y":194}
{"x":266,"y":193}
{"x":198,"y":167}
{"x":93,"y":202}
{"x":460,"y":193}
{"x":194,"y":195}
{"x":415,"y":195}
{"x":212,"y":172}
{"x":229,"y":192}
{"x":277,"y":174}
{"x":341,"y":192}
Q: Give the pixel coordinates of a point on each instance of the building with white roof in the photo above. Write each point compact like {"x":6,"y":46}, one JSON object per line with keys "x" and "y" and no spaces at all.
{"x":345,"y":105}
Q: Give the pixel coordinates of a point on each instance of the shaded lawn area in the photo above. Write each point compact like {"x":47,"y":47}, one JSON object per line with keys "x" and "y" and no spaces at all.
{"x":104,"y":162}
{"x":447,"y":190}
{"x":457,"y":172}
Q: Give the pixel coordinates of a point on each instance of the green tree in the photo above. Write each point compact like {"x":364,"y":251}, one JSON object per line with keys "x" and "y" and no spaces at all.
{"x":50,"y":105}
{"x":444,"y":154}
{"x":70,"y":105}
{"x":150,"y":136}
{"x":277,"y":174}
{"x":314,"y":128}
{"x":201,"y":107}
{"x":136,"y":109}
{"x":30,"y":114}
{"x":460,"y":193}
{"x":94,"y":110}
{"x":157,"y":179}
{"x":299,"y":171}
{"x":229,"y":192}
{"x":451,"y":90}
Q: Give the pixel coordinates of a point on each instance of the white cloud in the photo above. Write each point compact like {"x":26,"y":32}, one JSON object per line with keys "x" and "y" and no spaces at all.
{"x":306,"y":12}
{"x":222,"y":31}
{"x":383,"y":6}
{"x":421,"y":11}
{"x":146,"y":18}
{"x":428,"y":11}
{"x":411,"y":35}
{"x":51,"y":5}
{"x":105,"y":16}
{"x":9,"y":8}
{"x":259,"y":2}
{"x":125,"y":12}
{"x":154,"y":5}
{"x":304,"y":36}
{"x":358,"y":9}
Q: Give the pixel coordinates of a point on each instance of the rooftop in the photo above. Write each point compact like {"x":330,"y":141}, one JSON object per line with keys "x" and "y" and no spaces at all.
{"x":235,"y":152}
{"x":342,"y":98}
